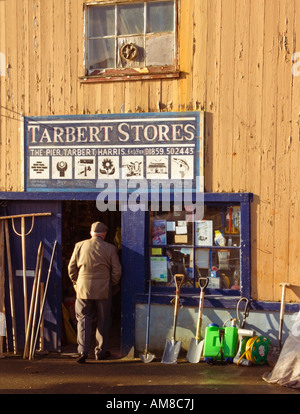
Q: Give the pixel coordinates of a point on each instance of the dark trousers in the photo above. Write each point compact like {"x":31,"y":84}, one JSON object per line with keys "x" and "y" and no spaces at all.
{"x":86,"y":310}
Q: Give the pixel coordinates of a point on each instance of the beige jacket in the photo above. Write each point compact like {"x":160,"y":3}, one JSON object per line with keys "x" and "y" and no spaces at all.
{"x":94,"y":267}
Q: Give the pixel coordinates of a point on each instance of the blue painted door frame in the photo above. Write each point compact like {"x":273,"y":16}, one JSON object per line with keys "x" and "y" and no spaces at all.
{"x":49,"y":229}
{"x":133,"y":276}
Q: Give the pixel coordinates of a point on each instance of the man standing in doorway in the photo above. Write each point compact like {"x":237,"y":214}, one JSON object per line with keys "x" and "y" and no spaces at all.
{"x":94,"y":268}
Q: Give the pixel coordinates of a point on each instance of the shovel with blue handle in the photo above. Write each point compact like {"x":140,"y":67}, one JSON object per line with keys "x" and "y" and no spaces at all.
{"x":147,"y":356}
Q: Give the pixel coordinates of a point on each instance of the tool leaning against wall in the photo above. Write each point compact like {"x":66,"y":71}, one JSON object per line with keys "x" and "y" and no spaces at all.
{"x":172,"y":347}
{"x":147,"y":356}
{"x":195,"y":348}
{"x":274,"y":352}
{"x":5,"y":238}
{"x":33,"y":301}
{"x":2,"y":281}
{"x":23,"y":235}
{"x":34,"y":341}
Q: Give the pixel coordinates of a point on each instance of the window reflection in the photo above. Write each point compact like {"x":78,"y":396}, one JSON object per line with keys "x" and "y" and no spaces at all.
{"x":160,"y":16}
{"x":130,"y":19}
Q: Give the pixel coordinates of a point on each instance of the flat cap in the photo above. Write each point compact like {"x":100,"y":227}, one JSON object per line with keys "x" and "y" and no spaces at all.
{"x":99,"y":227}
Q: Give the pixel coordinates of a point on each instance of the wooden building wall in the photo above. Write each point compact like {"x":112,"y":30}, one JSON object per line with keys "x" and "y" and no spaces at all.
{"x":235,"y":62}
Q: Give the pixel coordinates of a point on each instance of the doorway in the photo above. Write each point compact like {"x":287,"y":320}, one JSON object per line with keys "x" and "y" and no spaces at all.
{"x":77,"y":217}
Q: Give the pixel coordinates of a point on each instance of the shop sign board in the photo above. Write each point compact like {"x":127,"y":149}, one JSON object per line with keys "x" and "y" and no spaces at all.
{"x":74,"y":153}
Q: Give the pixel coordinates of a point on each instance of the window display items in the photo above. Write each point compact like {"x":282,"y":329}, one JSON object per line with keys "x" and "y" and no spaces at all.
{"x":159,"y":236}
{"x":204,"y":233}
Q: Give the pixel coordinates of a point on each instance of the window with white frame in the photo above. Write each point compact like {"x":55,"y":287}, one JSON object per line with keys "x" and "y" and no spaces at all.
{"x":130,"y":37}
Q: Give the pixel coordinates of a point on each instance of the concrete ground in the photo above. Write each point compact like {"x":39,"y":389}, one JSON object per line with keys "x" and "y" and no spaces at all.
{"x":120,"y":377}
{"x":61,"y":374}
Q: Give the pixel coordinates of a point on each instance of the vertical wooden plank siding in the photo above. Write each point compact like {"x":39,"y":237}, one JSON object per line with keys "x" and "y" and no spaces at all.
{"x":240,"y":132}
{"x":294,"y":213}
{"x":254,"y":155}
{"x":235,"y":62}
{"x":2,"y":97}
{"x":35,"y":76}
{"x":268,"y":133}
{"x":211,"y":106}
{"x":186,"y":44}
{"x":11,"y":136}
{"x":283,"y":144}
{"x":200,"y":34}
{"x":60,"y":47}
{"x":222,"y":162}
{"x":49,"y":94}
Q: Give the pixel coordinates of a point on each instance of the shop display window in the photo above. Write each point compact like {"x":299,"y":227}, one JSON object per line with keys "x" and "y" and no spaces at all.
{"x":213,"y":247}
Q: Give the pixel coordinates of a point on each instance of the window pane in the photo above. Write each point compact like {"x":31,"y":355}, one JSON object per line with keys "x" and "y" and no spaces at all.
{"x":165,"y":45}
{"x":131,"y":19}
{"x":101,"y":54}
{"x":171,"y":228}
{"x":160,"y":16}
{"x":222,"y":267}
{"x":164,"y":265}
{"x":221,"y":226}
{"x":101,"y":21}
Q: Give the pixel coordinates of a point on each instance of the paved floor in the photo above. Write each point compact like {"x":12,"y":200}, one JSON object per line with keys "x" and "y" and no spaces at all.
{"x":61,"y":374}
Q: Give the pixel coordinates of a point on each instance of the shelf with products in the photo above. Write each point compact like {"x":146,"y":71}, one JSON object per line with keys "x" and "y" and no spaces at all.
{"x":217,"y":247}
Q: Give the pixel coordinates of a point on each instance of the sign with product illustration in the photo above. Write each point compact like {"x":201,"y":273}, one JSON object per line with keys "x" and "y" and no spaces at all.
{"x":74,"y":152}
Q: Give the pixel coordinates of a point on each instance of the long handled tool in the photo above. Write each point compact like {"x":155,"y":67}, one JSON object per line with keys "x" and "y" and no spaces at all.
{"x":148,"y":357}
{"x":32,"y":350}
{"x":33,"y":298}
{"x":2,"y":290}
{"x":172,"y":347}
{"x":11,"y":288}
{"x":23,"y":235}
{"x":282,"y":310}
{"x":274,"y":352}
{"x":36,"y":302}
{"x":42,"y":289}
{"x":195,"y":348}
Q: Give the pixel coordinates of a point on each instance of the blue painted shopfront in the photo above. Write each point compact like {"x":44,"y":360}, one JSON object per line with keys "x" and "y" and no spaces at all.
{"x":135,"y":259}
{"x":135,"y":262}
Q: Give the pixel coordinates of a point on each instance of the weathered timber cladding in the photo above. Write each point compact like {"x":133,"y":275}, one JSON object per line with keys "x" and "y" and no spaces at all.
{"x":235,"y":63}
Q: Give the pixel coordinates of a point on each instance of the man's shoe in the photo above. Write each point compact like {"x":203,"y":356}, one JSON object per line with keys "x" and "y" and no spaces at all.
{"x":82,"y":358}
{"x":102,"y":355}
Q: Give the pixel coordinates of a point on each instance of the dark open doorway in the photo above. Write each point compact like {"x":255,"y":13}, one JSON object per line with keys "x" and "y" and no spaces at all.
{"x":77,"y":217}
